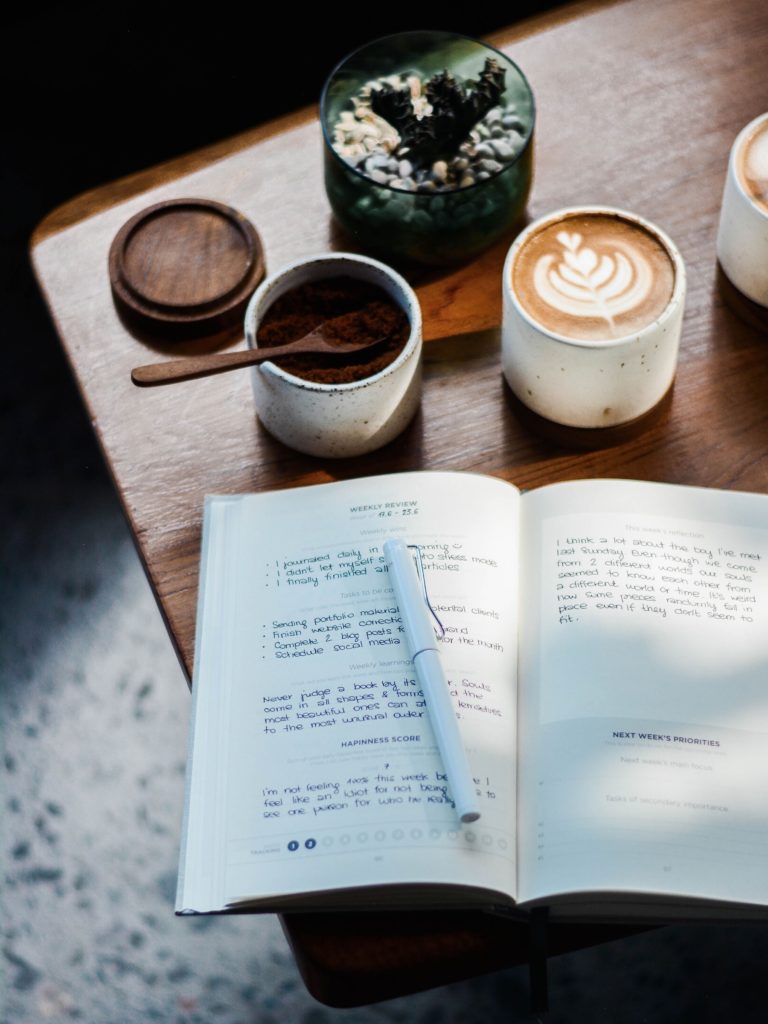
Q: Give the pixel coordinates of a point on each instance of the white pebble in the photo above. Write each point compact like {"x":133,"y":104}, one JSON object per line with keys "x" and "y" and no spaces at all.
{"x":440,"y":170}
{"x":502,"y":149}
{"x":492,"y":166}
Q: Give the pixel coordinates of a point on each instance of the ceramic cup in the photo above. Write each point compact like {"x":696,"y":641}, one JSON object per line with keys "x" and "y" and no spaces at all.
{"x":742,"y":240}
{"x":337,"y":420}
{"x":592,"y":312}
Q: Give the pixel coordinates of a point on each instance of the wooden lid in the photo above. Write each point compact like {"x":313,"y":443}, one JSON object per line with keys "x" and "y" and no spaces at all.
{"x":185,"y":267}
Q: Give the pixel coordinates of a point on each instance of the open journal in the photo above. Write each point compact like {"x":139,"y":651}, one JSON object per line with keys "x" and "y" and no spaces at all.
{"x":606,"y":647}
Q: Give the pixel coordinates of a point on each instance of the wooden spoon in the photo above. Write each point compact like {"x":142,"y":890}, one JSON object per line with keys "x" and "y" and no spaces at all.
{"x":203,"y":366}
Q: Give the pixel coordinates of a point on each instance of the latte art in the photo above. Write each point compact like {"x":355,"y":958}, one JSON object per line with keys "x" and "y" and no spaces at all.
{"x":593,"y":276}
{"x":588,"y":284}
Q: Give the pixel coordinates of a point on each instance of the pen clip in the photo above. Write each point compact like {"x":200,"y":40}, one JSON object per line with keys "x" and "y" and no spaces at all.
{"x":423,"y":580}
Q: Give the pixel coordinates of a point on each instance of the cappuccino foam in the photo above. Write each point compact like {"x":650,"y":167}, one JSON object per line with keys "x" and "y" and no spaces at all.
{"x":593,"y":276}
{"x":752,"y":165}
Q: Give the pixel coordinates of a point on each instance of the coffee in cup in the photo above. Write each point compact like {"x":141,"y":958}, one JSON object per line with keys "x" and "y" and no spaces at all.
{"x":742,"y":241}
{"x":593,"y":303}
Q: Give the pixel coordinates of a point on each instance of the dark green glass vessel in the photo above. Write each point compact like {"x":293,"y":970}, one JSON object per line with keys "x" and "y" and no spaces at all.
{"x":434,"y":228}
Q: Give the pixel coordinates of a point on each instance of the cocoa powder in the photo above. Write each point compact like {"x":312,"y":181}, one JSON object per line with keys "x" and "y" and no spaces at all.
{"x":302,"y":309}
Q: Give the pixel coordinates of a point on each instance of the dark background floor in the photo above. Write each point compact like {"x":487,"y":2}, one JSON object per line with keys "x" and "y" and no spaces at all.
{"x":93,"y":703}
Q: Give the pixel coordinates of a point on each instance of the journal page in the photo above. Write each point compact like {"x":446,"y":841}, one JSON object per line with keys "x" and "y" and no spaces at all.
{"x":313,"y":765}
{"x":644,"y":696}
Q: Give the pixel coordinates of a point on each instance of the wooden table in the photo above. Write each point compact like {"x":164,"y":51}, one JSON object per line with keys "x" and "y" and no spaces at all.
{"x":638,"y":103}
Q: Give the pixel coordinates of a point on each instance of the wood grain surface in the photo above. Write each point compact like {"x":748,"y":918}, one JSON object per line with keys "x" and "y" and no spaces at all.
{"x":638,"y":104}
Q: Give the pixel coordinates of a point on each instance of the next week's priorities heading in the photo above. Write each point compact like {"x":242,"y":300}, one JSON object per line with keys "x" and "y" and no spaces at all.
{"x":665,"y":738}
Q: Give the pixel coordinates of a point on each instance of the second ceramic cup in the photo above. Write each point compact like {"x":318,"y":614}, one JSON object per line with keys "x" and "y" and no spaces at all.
{"x":742,"y":240}
{"x":592,"y":313}
{"x":337,"y":420}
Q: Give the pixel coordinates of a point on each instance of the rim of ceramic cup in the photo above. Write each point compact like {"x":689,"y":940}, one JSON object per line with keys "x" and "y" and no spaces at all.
{"x":678,"y":289}
{"x":319,"y":259}
{"x":415,"y":32}
{"x":738,"y":145}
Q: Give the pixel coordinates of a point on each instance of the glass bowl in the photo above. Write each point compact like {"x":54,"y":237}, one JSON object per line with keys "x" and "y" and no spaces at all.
{"x":429,"y":227}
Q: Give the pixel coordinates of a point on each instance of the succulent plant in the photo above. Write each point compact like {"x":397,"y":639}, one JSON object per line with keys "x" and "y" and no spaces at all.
{"x":456,"y":108}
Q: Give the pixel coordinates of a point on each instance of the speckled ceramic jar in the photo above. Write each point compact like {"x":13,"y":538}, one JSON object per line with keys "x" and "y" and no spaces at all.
{"x":337,"y":420}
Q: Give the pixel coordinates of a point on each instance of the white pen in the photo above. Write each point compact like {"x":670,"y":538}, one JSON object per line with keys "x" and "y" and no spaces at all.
{"x":422,"y":647}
